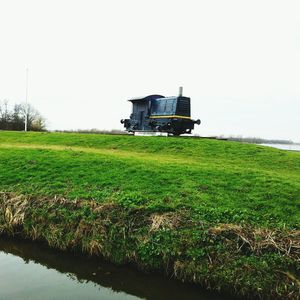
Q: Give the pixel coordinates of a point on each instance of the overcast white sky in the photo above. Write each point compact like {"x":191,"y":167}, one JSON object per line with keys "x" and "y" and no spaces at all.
{"x":239,"y":61}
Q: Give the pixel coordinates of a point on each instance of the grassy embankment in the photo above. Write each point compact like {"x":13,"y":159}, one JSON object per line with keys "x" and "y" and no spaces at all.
{"x":221,"y":214}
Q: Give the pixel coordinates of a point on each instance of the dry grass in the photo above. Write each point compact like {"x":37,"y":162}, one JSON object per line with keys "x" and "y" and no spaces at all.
{"x":164,"y":221}
{"x":260,"y":239}
{"x":13,"y":209}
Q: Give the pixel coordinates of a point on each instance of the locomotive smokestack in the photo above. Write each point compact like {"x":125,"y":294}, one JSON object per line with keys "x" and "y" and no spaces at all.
{"x":180,"y":91}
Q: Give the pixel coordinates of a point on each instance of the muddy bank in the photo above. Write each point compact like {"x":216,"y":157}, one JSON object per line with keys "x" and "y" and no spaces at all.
{"x":244,"y":261}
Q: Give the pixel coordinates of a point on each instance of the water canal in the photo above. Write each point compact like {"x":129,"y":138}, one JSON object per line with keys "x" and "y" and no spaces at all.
{"x":32,"y":271}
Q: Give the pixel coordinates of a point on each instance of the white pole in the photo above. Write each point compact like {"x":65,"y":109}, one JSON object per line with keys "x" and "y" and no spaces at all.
{"x":26,"y":101}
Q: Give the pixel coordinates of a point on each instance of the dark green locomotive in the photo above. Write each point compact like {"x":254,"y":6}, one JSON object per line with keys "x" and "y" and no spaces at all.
{"x":156,"y":113}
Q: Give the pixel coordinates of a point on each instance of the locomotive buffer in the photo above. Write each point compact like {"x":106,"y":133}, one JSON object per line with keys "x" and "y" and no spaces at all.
{"x":156,"y":113}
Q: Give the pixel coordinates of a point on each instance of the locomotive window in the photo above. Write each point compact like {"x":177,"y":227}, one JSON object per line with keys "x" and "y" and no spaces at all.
{"x":163,"y":107}
{"x":169,"y":108}
{"x":158,"y":107}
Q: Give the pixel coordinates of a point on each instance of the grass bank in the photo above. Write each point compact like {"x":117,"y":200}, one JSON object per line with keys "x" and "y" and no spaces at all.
{"x":221,"y":214}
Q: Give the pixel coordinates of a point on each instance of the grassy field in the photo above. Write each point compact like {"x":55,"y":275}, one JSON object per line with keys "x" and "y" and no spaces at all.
{"x":222,"y":214}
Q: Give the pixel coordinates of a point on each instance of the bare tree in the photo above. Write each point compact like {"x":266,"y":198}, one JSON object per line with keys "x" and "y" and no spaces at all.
{"x":35,"y":121}
{"x":4,"y":115}
{"x":14,"y":119}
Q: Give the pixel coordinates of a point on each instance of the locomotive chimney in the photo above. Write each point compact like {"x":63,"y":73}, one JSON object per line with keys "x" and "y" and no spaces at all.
{"x":180,"y":91}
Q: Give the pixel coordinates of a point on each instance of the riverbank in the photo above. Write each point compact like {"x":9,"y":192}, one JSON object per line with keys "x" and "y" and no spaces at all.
{"x":46,"y":273}
{"x":220,"y":214}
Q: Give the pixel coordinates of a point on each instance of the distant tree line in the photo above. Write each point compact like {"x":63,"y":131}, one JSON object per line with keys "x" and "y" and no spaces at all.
{"x":13,"y":118}
{"x":95,"y":131}
{"x":251,"y":140}
{"x":257,"y":140}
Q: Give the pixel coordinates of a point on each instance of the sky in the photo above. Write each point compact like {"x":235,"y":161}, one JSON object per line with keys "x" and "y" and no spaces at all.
{"x":239,"y":61}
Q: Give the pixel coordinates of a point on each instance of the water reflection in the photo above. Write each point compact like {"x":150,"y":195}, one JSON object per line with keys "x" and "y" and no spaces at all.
{"x":33,"y":271}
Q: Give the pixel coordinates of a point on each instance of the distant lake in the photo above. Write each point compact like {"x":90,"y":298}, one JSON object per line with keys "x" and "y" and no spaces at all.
{"x":291,"y":147}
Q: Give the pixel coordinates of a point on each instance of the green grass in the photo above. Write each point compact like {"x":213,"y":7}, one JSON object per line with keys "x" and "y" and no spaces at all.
{"x":209,"y":182}
{"x":234,"y":182}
